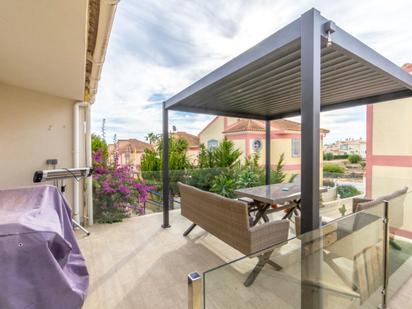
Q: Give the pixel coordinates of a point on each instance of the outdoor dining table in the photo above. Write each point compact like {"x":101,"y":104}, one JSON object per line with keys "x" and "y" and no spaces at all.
{"x":286,"y":196}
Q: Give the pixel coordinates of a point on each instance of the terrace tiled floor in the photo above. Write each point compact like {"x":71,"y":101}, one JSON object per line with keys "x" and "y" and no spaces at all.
{"x":137,"y":264}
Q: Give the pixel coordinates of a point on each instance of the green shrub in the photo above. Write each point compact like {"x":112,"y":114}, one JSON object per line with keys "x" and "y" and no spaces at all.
{"x":224,"y":185}
{"x":247,"y":178}
{"x":345,"y":191}
{"x":98,"y":143}
{"x":277,"y":175}
{"x":202,"y":178}
{"x":355,"y":158}
{"x":342,"y":156}
{"x":333,"y":168}
{"x":328,"y":156}
{"x":224,"y":155}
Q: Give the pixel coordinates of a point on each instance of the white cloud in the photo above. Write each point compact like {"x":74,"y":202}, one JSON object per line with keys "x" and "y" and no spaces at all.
{"x":159,"y":47}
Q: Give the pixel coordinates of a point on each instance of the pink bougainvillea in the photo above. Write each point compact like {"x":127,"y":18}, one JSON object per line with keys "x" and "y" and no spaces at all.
{"x":117,"y":192}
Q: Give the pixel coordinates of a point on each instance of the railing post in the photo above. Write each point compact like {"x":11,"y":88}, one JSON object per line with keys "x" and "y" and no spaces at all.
{"x":385,"y":255}
{"x":195,"y":289}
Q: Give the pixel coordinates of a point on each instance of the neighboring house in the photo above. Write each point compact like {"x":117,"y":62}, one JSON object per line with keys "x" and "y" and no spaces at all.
{"x":193,"y":144}
{"x":389,"y":147}
{"x":51,"y":57}
{"x":348,"y":146}
{"x":249,"y":136}
{"x":129,"y":152}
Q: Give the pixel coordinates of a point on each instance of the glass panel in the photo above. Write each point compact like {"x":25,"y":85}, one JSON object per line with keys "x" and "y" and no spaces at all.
{"x":400,"y":251}
{"x":223,"y":181}
{"x":339,"y":265}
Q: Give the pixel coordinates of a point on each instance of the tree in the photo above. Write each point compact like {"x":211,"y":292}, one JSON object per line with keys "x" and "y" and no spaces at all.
{"x":225,"y":154}
{"x":277,"y":175}
{"x":152,"y":162}
{"x":152,"y":138}
{"x":354,"y":158}
{"x":328,"y":156}
{"x":152,"y":159}
{"x":98,"y":143}
{"x":205,"y":158}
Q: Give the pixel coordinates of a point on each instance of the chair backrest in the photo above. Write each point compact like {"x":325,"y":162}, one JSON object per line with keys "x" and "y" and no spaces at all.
{"x":396,"y":206}
{"x":224,"y":218}
{"x":368,"y":271}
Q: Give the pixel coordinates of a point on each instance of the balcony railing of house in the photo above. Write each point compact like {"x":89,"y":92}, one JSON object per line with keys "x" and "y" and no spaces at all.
{"x":362,"y":260}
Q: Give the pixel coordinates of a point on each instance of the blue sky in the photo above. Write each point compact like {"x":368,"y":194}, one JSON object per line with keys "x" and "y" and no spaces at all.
{"x":157,"y":48}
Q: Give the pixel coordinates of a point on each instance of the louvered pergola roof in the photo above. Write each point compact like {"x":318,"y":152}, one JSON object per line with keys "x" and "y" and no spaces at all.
{"x":264,"y":82}
{"x":308,"y":66}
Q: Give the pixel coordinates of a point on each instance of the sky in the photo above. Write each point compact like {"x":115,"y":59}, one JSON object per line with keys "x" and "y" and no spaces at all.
{"x":158,"y":48}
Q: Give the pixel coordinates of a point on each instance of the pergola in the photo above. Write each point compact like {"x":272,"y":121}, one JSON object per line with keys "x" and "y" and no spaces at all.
{"x":309,"y":66}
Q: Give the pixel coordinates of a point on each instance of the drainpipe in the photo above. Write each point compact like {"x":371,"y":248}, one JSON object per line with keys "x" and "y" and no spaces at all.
{"x":76,"y":157}
{"x":89,"y":163}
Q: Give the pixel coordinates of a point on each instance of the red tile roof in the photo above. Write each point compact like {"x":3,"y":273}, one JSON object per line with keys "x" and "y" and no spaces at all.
{"x":244,"y":125}
{"x":132,"y":145}
{"x":192,"y":140}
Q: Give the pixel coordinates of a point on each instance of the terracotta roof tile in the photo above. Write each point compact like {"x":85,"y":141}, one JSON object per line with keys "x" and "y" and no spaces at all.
{"x":192,"y":140}
{"x":133,"y":144}
{"x":244,"y":125}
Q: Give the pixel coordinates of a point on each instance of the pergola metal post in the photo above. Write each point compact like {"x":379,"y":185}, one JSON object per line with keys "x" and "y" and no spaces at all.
{"x":165,"y":175}
{"x":310,"y":111}
{"x":310,"y":143}
{"x":267,"y":153}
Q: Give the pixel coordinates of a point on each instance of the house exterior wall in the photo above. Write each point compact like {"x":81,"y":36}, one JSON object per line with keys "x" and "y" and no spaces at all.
{"x":192,"y":154}
{"x":389,"y":149}
{"x":213,"y":131}
{"x":34,"y":127}
{"x":280,"y":143}
{"x":392,"y":130}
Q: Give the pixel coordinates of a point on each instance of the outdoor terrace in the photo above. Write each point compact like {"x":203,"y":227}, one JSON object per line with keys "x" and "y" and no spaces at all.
{"x":138,"y":264}
{"x":307,"y":67}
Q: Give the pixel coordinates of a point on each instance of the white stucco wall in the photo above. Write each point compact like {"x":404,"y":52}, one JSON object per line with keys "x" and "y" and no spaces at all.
{"x":34,"y":127}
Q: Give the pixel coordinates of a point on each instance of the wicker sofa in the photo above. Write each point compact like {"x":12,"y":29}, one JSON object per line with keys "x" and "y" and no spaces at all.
{"x":228,"y":220}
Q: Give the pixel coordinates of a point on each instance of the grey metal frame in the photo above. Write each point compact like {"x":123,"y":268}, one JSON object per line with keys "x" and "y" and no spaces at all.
{"x":267,"y":152}
{"x":310,"y":110}
{"x":310,"y":143}
{"x":311,"y":31}
{"x":165,"y":172}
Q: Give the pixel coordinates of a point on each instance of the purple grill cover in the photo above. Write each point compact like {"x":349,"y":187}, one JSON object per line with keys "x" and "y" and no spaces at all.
{"x":41,"y":265}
